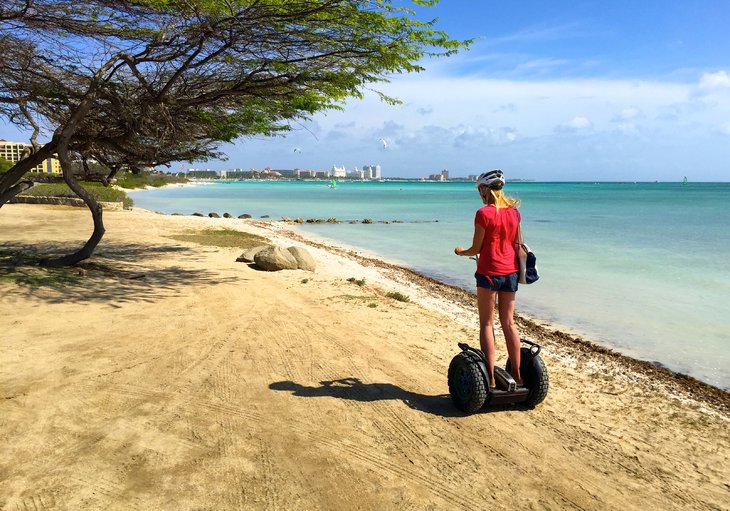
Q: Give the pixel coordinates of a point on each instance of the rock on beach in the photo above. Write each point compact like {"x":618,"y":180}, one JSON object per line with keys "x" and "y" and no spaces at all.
{"x":303,"y":258}
{"x":275,"y":258}
{"x":249,"y":255}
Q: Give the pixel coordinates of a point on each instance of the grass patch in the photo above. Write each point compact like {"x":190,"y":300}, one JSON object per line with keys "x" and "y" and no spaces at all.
{"x":395,"y":295}
{"x":98,"y":191}
{"x":356,"y":297}
{"x":222,"y":238}
{"x":38,"y":276}
{"x":359,"y":282}
{"x":129,"y":180}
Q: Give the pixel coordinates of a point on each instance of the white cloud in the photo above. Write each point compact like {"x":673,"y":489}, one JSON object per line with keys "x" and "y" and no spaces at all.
{"x":627,"y":114}
{"x":718,"y":80}
{"x":541,"y":65}
{"x":586,"y":129}
{"x":627,"y":128}
{"x":575,"y":124}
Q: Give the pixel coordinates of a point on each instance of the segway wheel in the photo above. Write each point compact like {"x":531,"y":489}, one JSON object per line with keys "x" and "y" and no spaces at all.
{"x":534,"y":375}
{"x":466,"y":384}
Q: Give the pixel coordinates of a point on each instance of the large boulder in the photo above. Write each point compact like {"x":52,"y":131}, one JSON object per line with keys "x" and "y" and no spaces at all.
{"x":303,"y":258}
{"x":249,"y":255}
{"x":275,"y":259}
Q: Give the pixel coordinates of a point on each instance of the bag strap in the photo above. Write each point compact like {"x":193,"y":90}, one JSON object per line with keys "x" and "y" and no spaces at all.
{"x":518,"y":236}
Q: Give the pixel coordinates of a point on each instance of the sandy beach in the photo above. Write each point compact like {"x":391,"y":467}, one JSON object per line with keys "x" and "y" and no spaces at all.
{"x":163,"y":374}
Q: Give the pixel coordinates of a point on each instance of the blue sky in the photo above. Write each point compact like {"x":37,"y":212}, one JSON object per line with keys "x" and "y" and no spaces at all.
{"x":581,"y":90}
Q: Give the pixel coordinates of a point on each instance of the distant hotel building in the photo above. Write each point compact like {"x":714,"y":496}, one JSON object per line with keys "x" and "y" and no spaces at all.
{"x":13,"y":151}
{"x":356,"y":174}
{"x":371,"y":171}
{"x":338,"y":171}
{"x":443,"y":176}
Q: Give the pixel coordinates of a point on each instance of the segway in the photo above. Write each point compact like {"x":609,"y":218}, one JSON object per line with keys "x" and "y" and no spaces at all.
{"x":469,"y":383}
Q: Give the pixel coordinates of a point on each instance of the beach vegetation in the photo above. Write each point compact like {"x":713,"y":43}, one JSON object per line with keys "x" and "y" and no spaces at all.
{"x":130,"y":180}
{"x":5,"y":165}
{"x":38,"y":276}
{"x":304,"y":281}
{"x":20,"y":267}
{"x":395,"y":295}
{"x":133,"y":85}
{"x":359,"y":282}
{"x":222,"y":238}
{"x":97,"y":190}
{"x":358,"y":298}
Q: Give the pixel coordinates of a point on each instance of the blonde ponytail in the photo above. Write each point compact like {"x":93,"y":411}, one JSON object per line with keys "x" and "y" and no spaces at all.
{"x":500,"y":200}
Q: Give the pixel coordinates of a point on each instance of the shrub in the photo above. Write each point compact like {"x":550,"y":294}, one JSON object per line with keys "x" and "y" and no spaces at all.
{"x":130,"y":181}
{"x":398,"y":296}
{"x":98,"y":191}
{"x":359,"y":282}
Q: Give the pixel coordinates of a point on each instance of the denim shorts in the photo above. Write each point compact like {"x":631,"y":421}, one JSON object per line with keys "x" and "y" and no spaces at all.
{"x":498,"y":282}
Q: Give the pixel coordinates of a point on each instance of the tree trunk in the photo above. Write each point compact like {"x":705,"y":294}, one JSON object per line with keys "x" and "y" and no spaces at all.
{"x":9,"y":180}
{"x":88,"y":249}
{"x":15,"y":190}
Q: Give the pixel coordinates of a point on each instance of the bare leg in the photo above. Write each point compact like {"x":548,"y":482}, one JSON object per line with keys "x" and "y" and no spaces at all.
{"x":485,"y":304}
{"x":511,"y":335}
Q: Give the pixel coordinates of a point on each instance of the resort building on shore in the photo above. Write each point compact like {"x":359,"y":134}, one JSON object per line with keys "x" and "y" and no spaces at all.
{"x":338,"y":171}
{"x":443,"y":176}
{"x":311,"y":174}
{"x":371,"y":171}
{"x":356,"y":174}
{"x":13,"y":151}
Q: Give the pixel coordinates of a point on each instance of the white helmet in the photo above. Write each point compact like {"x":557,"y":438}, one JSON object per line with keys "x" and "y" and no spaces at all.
{"x":493,"y":179}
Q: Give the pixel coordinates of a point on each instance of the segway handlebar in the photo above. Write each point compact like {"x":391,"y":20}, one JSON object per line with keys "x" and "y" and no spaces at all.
{"x":534,"y":347}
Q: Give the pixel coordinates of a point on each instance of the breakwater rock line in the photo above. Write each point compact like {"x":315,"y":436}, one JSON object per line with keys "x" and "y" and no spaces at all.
{"x":299,"y":220}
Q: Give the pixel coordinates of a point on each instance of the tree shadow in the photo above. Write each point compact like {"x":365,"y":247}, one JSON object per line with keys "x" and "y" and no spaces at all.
{"x":117,"y":273}
{"x":355,"y":390}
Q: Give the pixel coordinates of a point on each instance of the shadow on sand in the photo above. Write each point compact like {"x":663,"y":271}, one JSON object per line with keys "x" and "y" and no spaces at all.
{"x":116,"y":273}
{"x":354,"y":389}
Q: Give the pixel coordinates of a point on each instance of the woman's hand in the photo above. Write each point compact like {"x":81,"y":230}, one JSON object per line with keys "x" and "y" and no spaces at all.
{"x":458,"y":250}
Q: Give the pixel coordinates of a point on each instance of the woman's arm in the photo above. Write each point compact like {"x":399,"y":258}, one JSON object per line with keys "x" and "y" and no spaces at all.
{"x":476,"y":244}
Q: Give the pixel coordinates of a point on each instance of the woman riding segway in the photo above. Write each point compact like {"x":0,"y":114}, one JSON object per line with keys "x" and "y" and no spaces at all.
{"x":495,"y":231}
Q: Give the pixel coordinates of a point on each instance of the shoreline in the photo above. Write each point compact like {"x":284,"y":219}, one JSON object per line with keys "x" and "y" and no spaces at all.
{"x":650,"y":373}
{"x":150,"y":187}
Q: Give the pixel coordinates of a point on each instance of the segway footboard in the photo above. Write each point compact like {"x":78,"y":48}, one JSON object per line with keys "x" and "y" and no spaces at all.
{"x":507,"y":390}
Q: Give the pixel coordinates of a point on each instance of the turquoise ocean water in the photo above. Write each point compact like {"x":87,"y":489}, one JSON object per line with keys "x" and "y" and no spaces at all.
{"x":638,"y":267}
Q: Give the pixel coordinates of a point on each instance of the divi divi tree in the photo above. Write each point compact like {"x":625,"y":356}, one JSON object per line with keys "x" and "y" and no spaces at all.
{"x":149,"y":82}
